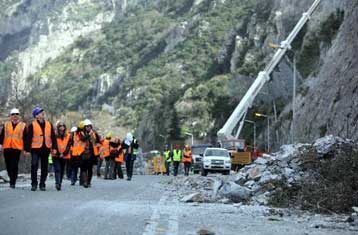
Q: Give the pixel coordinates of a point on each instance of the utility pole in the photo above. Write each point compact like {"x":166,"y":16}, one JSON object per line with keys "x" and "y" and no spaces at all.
{"x":268,"y":134}
{"x":268,"y":128}
{"x":252,"y":122}
{"x":294,"y":99}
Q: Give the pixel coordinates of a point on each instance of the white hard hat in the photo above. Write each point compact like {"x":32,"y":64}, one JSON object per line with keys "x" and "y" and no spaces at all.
{"x":14,"y":110}
{"x":87,"y":122}
{"x":73,"y":129}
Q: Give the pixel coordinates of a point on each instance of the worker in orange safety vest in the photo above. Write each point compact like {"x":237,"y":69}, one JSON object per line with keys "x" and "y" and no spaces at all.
{"x":12,"y":141}
{"x":187,"y":159}
{"x":118,"y":155}
{"x":63,"y":154}
{"x":77,"y":148}
{"x":41,"y":139}
{"x":90,"y":153}
{"x":104,"y":154}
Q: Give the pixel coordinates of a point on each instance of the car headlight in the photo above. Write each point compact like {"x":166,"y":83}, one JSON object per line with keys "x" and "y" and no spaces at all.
{"x":227,"y":161}
{"x":206,"y":160}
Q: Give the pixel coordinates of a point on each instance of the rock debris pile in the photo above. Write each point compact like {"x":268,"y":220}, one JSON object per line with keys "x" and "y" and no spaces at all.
{"x":321,"y":177}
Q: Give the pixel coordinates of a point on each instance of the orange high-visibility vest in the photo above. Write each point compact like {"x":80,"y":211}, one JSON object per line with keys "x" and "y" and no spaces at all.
{"x":95,"y":146}
{"x":187,"y":156}
{"x":71,"y":147}
{"x":61,"y":145}
{"x":78,"y":146}
{"x":104,"y":151}
{"x":13,"y":138}
{"x":38,"y":136}
{"x":120,"y":157}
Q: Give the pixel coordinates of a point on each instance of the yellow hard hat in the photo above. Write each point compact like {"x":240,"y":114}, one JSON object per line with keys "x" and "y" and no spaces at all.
{"x":81,"y":125}
{"x":108,"y":135}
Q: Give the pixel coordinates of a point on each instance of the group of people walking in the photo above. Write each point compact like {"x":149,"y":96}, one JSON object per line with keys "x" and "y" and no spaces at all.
{"x":80,"y":148}
{"x":175,"y":157}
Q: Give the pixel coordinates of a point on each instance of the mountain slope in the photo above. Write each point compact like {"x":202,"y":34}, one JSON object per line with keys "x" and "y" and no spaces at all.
{"x":167,"y":67}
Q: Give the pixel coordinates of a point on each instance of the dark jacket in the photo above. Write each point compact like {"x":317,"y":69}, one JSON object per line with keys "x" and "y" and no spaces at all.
{"x":86,"y":137}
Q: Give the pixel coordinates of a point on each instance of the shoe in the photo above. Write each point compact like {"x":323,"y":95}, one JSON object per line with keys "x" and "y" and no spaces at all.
{"x":72,"y":183}
{"x":33,"y":188}
{"x":12,"y":185}
{"x":98,"y":175}
{"x":85,"y":185}
{"x":42,"y":188}
{"x":58,"y":187}
{"x":106,"y":178}
{"x":129,"y":178}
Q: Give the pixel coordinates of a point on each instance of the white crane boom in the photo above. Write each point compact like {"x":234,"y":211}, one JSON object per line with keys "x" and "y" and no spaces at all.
{"x":238,"y":116}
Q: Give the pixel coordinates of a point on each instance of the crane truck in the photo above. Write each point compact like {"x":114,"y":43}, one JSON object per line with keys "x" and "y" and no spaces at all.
{"x":226,"y":136}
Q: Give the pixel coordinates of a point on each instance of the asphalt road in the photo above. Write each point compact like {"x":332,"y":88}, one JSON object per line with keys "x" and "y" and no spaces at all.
{"x":141,"y":206}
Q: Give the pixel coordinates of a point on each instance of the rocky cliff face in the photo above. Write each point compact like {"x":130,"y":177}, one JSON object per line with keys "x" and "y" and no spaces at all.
{"x":329,"y":104}
{"x":35,"y":32}
{"x":324,"y":49}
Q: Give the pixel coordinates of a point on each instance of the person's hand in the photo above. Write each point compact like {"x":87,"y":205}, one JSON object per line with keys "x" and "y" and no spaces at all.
{"x":54,"y":151}
{"x":27,"y":154}
{"x":61,"y":155}
{"x":1,"y":148}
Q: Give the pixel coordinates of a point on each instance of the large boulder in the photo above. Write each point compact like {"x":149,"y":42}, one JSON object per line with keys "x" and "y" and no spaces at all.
{"x":267,"y":177}
{"x":329,"y":145}
{"x":4,"y":176}
{"x":256,"y":172}
{"x":194,"y":197}
{"x":235,"y":192}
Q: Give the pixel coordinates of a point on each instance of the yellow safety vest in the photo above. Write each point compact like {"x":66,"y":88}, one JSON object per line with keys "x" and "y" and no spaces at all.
{"x":167,"y":156}
{"x":176,"y":155}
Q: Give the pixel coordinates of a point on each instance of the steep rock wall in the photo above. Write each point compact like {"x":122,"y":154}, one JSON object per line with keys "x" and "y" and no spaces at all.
{"x":330,"y":106}
{"x":327,"y":99}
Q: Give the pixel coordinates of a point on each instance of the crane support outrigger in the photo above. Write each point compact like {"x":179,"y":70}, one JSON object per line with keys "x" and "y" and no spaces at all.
{"x":238,"y":116}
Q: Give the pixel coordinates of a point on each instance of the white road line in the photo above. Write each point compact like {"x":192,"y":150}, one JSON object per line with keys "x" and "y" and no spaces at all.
{"x":173,"y":223}
{"x":150,"y":228}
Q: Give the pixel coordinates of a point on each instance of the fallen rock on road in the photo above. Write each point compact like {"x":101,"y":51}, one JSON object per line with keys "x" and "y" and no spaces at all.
{"x":320,"y":177}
